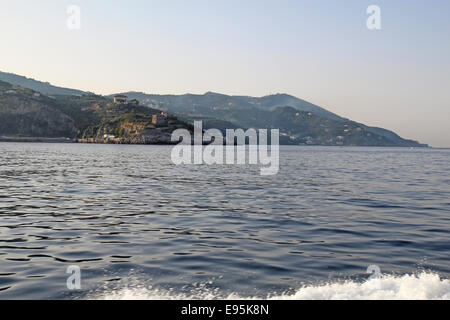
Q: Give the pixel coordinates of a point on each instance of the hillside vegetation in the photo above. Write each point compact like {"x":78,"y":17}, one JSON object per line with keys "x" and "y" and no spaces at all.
{"x":87,"y":118}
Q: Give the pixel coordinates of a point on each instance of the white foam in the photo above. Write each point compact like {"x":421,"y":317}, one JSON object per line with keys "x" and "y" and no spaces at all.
{"x":424,"y":286}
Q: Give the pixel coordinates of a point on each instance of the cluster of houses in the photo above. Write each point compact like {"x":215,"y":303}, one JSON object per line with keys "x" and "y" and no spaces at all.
{"x":122,"y":99}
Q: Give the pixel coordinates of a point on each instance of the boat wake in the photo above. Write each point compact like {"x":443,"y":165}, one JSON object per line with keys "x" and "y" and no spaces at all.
{"x":423,"y":286}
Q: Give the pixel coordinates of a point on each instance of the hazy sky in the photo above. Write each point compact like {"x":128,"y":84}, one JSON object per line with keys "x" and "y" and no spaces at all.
{"x":321,"y":51}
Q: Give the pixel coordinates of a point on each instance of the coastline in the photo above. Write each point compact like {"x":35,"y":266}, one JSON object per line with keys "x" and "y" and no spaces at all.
{"x":35,"y":139}
{"x":169,"y":143}
{"x":122,"y":141}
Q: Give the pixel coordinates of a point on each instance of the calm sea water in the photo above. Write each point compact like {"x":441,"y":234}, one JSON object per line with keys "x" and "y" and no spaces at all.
{"x":141,"y":227}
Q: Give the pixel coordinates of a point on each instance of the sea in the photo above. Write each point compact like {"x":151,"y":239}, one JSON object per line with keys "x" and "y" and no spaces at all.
{"x":86,"y":221}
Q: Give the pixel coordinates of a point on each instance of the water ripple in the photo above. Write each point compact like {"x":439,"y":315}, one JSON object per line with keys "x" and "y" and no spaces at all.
{"x":121,"y":210}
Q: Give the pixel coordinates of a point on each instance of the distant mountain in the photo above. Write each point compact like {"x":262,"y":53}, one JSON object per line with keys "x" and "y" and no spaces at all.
{"x":211,"y":103}
{"x":299,"y":121}
{"x":309,"y":128}
{"x":273,"y":101}
{"x":30,"y":107}
{"x":42,"y":87}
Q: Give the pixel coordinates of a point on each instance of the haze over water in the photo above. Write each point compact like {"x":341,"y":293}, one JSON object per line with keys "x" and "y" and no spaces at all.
{"x":139,"y":226}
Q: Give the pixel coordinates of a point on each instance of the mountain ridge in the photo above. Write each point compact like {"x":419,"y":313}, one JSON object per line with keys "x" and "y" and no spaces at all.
{"x":224,"y":111}
{"x":220,"y":107}
{"x":36,"y":85}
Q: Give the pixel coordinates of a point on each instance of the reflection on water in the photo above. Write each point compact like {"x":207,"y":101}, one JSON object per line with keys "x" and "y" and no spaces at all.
{"x":130,"y":218}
